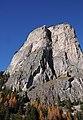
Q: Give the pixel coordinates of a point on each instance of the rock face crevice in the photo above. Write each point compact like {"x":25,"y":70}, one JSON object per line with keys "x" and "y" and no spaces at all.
{"x":49,"y":54}
{"x":36,"y":59}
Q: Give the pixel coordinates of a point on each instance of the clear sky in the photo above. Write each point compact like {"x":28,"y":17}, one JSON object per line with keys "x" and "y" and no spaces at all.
{"x":19,"y":17}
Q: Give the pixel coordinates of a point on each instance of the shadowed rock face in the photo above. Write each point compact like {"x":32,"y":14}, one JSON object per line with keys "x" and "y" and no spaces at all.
{"x":48,"y":54}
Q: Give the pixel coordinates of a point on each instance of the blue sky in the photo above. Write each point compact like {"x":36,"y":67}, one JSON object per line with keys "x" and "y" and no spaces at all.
{"x":19,"y":17}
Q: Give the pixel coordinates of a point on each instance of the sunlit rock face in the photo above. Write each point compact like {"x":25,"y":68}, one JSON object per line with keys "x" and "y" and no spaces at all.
{"x":49,"y":53}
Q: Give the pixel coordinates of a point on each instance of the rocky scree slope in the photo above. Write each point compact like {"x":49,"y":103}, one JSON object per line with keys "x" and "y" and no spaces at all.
{"x":49,"y":63}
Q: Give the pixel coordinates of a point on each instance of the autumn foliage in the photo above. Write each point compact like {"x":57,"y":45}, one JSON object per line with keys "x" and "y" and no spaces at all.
{"x":54,"y":112}
{"x":10,"y":99}
{"x":34,"y":111}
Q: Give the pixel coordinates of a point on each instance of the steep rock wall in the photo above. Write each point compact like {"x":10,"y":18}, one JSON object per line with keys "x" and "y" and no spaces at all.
{"x":48,"y":54}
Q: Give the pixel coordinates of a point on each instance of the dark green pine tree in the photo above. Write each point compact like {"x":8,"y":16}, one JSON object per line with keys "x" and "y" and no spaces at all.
{"x":58,"y":100}
{"x":31,"y":113}
{"x":69,"y":105}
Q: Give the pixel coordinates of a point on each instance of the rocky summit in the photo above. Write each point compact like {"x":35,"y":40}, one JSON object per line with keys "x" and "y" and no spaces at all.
{"x":50,"y":63}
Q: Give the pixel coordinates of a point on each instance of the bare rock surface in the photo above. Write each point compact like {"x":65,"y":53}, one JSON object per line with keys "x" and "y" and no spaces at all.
{"x":48,"y":56}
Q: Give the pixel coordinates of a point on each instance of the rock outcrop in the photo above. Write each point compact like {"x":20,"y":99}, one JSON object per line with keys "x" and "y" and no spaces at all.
{"x":50,"y":55}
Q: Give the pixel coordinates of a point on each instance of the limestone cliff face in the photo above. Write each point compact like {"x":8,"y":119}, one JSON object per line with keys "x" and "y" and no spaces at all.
{"x":49,"y":53}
